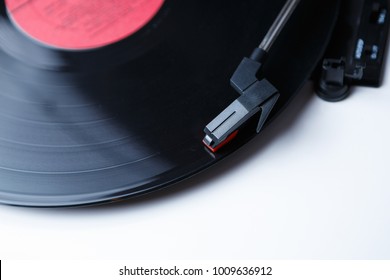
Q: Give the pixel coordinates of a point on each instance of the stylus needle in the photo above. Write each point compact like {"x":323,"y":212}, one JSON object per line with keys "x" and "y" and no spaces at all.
{"x":257,"y":96}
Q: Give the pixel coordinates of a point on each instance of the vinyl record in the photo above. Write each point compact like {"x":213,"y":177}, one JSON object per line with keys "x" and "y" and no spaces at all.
{"x":100,"y":102}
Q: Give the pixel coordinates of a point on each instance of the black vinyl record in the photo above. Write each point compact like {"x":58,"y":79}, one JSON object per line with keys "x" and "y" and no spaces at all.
{"x":93,"y":125}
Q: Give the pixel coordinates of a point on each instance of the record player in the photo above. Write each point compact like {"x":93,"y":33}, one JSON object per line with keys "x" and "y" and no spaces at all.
{"x":101,"y":101}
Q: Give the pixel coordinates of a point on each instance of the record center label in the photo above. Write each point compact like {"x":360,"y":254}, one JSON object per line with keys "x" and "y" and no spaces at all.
{"x":81,"y":24}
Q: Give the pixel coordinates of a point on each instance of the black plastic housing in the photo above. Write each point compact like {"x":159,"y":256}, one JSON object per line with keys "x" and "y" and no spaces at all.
{"x":357,"y":51}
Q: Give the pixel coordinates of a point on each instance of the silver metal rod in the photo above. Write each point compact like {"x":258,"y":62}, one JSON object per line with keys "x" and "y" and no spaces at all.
{"x":278,"y":24}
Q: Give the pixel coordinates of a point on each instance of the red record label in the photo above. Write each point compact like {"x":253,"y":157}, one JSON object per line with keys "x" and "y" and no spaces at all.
{"x":81,"y":24}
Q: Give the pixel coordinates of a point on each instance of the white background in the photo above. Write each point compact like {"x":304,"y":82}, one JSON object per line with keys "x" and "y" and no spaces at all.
{"x":314,"y":185}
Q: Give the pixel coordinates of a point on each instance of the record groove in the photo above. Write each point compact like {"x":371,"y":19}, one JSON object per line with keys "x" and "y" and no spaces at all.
{"x":93,"y":126}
